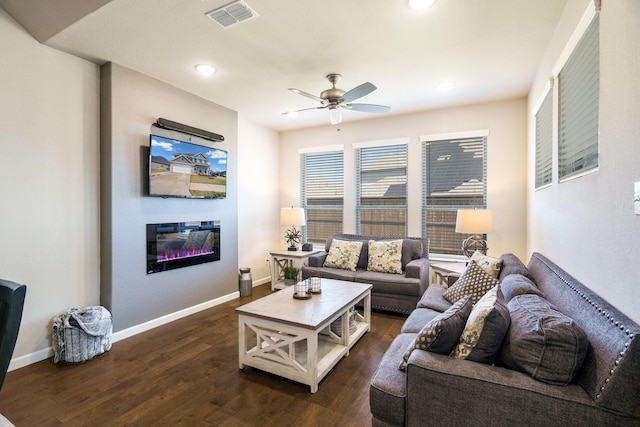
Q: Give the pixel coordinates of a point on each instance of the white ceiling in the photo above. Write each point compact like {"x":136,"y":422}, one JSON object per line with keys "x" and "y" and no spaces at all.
{"x":490,"y":49}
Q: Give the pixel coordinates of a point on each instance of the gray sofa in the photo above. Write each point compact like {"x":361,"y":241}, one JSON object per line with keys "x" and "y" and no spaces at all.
{"x":440,"y":390}
{"x":391,"y":292}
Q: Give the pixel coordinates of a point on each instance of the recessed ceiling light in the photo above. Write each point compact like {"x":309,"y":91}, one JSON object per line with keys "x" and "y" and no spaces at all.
{"x":420,"y":4}
{"x":205,"y":69}
{"x":445,"y":86}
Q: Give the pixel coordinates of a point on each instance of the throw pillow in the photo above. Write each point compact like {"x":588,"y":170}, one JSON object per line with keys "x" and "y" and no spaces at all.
{"x":485,"y":329}
{"x":511,"y":264}
{"x":343,"y":254}
{"x":516,"y":284}
{"x":474,"y":281}
{"x":385,"y":256}
{"x":543,"y":342}
{"x":441,"y":334}
{"x":488,"y":263}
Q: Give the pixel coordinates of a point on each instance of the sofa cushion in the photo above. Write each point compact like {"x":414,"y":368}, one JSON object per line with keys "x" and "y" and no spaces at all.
{"x":485,"y":329}
{"x":386,"y":283}
{"x":543,"y":342}
{"x":441,"y":334}
{"x":488,"y":263}
{"x":329,"y":273}
{"x":385,"y":256}
{"x":343,"y":254}
{"x":474,"y":281}
{"x":388,"y":389}
{"x":511,"y":264}
{"x":418,"y":318}
{"x":517,"y":284}
{"x":433,"y":298}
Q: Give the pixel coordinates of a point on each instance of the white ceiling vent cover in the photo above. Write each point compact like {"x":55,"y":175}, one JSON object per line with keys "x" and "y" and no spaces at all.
{"x":232,"y":14}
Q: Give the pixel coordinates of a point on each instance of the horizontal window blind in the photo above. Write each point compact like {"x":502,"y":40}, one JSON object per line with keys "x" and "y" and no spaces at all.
{"x":454,"y":176}
{"x":579,"y":96}
{"x":322,"y":195}
{"x":544,"y":136}
{"x":381,"y":187}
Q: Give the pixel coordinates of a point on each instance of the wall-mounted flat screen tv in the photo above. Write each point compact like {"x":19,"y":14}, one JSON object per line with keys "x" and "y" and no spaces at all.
{"x":184,"y":169}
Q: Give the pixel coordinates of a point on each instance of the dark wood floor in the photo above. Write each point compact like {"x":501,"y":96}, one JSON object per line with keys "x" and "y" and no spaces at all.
{"x":186,"y":374}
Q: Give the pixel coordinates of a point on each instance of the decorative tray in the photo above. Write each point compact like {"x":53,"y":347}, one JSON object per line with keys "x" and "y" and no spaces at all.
{"x":307,"y":295}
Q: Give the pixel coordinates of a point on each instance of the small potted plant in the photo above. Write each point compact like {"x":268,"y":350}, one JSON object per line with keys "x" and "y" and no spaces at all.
{"x":290,"y":275}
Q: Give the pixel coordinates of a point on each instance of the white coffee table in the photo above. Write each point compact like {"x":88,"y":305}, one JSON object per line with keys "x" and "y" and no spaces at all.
{"x":292,"y":338}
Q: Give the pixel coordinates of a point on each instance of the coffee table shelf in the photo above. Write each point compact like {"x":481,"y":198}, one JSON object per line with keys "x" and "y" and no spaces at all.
{"x":293,"y":338}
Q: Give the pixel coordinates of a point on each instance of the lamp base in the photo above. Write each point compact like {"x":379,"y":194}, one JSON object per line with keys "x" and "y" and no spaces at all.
{"x":472,"y":244}
{"x":292,"y":248}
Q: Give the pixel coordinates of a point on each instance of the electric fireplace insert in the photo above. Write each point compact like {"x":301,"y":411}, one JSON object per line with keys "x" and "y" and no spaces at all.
{"x":182,"y":244}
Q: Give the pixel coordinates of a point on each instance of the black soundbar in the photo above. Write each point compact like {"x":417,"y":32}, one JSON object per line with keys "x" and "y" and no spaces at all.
{"x":179,"y":127}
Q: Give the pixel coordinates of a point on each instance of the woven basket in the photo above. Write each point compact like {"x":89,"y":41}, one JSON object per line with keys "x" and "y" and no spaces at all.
{"x":336,"y":327}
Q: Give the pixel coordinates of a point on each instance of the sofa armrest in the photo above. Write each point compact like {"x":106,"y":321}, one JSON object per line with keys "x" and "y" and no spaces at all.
{"x":418,"y":269}
{"x":317,"y":260}
{"x":460,"y":390}
{"x":452,"y":278}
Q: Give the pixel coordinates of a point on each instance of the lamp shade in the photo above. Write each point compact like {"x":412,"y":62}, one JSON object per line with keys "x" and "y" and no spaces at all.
{"x":474,"y":221}
{"x":292,"y":217}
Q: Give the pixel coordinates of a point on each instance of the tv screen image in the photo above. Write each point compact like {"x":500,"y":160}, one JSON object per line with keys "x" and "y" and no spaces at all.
{"x":184,"y":169}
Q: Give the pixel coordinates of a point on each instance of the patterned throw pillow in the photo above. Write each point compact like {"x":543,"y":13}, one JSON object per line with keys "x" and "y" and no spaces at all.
{"x":441,"y":334}
{"x":343,"y":254}
{"x":488,"y":263}
{"x":486,"y":327}
{"x":385,"y":256}
{"x":474,"y":281}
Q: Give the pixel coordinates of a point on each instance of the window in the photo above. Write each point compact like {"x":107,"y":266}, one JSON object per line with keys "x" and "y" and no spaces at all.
{"x":455,"y":177}
{"x":381,"y":187}
{"x":322,"y":194}
{"x":544,"y":133}
{"x":578,"y":103}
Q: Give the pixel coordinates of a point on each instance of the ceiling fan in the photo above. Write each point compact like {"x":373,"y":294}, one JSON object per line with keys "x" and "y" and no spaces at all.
{"x":334,"y":99}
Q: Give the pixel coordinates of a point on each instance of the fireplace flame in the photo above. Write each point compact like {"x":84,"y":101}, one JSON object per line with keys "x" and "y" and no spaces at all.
{"x":173,"y":255}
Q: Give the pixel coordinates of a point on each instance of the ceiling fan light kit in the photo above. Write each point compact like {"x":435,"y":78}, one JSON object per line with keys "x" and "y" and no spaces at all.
{"x":336,"y":98}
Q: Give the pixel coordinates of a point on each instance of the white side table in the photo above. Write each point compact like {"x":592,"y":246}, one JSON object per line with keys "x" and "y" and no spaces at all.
{"x":441,"y":271}
{"x":281,"y":259}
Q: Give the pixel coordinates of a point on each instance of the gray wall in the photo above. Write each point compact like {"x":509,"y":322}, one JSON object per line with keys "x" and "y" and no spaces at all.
{"x":130,"y":104}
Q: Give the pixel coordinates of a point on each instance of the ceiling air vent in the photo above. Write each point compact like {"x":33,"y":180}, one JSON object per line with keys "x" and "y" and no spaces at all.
{"x":232,"y":14}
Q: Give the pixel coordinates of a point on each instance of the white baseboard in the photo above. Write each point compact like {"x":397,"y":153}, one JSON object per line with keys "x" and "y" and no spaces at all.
{"x":37,"y":356}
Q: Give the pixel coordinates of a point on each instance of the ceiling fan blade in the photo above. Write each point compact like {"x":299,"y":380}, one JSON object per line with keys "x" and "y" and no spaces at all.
{"x":305,"y":109}
{"x":308,"y":95}
{"x":367,"y":108}
{"x":358,"y":92}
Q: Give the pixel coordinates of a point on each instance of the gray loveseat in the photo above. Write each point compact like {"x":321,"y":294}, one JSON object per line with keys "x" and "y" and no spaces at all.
{"x":440,"y":390}
{"x":391,"y":292}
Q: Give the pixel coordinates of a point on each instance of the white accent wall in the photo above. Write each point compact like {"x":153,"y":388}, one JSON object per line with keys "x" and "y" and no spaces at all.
{"x":258,"y":204}
{"x":49,"y":182}
{"x":506,"y":161}
{"x":587,"y":225}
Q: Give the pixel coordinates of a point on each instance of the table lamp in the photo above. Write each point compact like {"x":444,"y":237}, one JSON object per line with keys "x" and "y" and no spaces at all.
{"x":292,"y":217}
{"x":475,"y":222}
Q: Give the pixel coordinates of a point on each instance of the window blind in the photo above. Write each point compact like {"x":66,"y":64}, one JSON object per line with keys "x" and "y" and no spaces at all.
{"x":579,"y":88}
{"x":381,"y":187}
{"x":544,"y":135}
{"x":454,"y":176}
{"x":322,"y":188}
